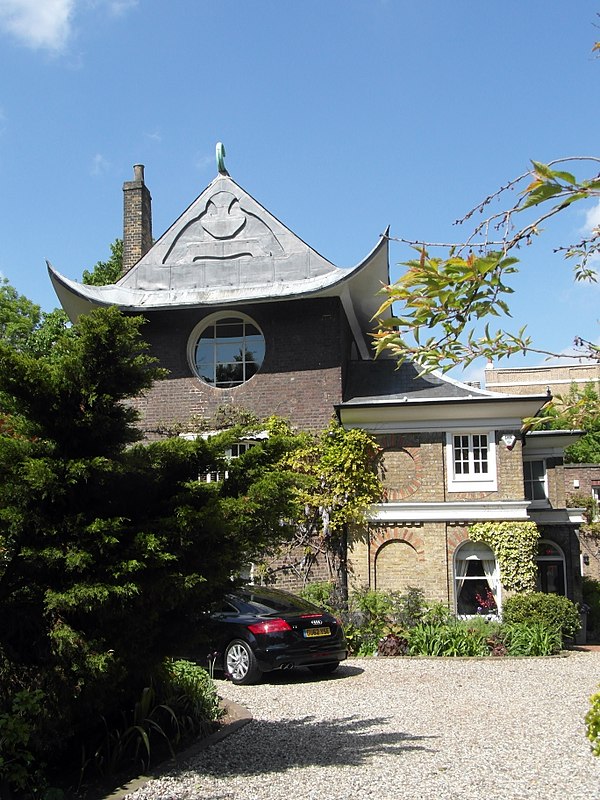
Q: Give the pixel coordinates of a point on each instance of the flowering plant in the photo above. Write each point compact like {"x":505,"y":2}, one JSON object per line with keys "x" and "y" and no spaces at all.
{"x":486,"y":604}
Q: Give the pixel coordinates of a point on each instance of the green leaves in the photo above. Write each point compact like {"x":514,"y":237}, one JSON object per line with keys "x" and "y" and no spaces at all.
{"x":446,"y":298}
{"x":515,"y":545}
{"x":434,"y":313}
{"x":105,"y":272}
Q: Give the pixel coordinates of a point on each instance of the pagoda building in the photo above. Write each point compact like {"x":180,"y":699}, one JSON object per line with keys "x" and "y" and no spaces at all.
{"x":242,"y":312}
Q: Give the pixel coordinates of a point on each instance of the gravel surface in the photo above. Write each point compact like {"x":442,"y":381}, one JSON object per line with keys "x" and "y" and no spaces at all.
{"x":397,"y":728}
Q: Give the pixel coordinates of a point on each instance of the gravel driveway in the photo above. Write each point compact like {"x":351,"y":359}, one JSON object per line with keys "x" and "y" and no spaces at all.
{"x":488,"y":729}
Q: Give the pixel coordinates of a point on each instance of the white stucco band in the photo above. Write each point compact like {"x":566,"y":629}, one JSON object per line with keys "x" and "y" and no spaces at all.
{"x":479,"y":511}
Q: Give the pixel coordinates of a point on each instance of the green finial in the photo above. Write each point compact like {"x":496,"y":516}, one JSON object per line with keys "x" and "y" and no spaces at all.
{"x":221,"y":158}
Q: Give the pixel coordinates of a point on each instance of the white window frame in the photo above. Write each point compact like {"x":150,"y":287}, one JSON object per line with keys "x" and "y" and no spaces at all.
{"x":214,"y":320}
{"x":235,"y":451}
{"x":472,"y":481}
{"x":475,"y":552}
{"x":542,"y":502}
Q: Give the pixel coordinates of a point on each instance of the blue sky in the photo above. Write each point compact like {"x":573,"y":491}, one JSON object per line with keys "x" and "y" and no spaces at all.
{"x":340,"y":116}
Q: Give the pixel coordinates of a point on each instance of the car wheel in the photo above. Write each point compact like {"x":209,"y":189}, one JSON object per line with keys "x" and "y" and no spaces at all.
{"x":240,"y":663}
{"x":324,"y":669}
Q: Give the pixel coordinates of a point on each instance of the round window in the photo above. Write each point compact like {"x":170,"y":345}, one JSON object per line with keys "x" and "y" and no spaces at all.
{"x":226,"y":351}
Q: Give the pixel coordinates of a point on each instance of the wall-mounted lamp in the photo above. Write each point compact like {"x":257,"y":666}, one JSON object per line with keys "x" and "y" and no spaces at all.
{"x":509,"y":440}
{"x":576,"y":483}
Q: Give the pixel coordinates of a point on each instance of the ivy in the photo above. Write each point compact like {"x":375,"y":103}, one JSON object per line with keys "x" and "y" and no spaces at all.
{"x":514,"y":545}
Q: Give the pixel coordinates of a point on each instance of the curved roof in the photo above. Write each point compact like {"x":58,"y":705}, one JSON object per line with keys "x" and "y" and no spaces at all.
{"x":227,"y":249}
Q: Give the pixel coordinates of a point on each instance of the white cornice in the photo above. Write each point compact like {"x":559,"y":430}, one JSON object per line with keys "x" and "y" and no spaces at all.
{"x":458,"y":511}
{"x":466,"y":422}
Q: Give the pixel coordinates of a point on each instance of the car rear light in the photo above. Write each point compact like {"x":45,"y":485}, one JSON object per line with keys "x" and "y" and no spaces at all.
{"x":310,"y":616}
{"x":270,"y":626}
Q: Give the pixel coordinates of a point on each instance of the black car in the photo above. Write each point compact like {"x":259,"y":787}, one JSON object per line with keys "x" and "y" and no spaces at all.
{"x":258,"y":629}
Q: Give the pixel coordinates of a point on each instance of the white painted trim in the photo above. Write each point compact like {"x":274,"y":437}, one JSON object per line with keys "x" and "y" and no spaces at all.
{"x":453,"y":511}
{"x":436,"y":426}
{"x":486,"y":482}
{"x":355,"y":326}
{"x":201,"y":326}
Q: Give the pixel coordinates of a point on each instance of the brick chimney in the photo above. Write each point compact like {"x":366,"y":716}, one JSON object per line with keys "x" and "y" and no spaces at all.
{"x":137,"y":219}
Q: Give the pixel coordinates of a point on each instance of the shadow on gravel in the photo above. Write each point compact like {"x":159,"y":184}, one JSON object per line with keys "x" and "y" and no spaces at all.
{"x":298,"y":675}
{"x":265,"y":746}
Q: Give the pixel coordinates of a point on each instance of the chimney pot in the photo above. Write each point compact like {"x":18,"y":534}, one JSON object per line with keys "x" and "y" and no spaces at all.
{"x":138,"y":172}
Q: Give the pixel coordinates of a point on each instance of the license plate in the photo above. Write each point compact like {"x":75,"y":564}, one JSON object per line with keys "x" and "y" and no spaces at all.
{"x":310,"y":632}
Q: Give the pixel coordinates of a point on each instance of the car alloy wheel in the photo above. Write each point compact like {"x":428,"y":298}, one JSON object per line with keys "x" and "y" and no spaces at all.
{"x":240,"y":663}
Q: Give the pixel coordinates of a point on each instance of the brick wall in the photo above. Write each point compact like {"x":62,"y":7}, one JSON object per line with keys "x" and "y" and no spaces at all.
{"x":401,"y":556}
{"x":137,"y":219}
{"x":413,"y":467}
{"x":535,"y":380}
{"x":301,"y":377}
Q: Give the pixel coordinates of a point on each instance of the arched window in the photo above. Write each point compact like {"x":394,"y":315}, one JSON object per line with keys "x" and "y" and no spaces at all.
{"x":550,"y":562}
{"x":226,"y":351}
{"x":476,"y":581}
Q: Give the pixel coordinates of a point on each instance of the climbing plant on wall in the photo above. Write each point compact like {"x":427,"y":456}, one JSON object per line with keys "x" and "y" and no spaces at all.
{"x":515,"y":546}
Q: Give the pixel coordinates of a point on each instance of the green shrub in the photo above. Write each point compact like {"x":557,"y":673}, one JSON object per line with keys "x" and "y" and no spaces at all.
{"x":373,"y":606}
{"x":531,"y":638}
{"x":189,"y":690}
{"x":552,"y":610}
{"x":19,"y":769}
{"x":322,"y":594}
{"x":591,"y":597}
{"x":362,"y":640}
{"x":409,"y":608}
{"x":592,"y":723}
{"x":453,"y":639}
{"x":181,"y":703}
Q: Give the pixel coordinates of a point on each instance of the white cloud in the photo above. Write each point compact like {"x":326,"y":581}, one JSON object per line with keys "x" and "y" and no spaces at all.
{"x":99,"y":164}
{"x":119,"y":7}
{"x":48,"y":24}
{"x":592,"y":219}
{"x":39,"y":24}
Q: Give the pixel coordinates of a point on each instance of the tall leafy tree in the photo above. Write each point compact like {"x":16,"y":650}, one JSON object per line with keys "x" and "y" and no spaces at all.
{"x":577,"y":409}
{"x":109,"y":547}
{"x":19,"y":317}
{"x":108,"y":271}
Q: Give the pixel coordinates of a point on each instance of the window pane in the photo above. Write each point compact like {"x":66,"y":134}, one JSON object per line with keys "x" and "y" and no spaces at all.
{"x":548,"y":549}
{"x":534,"y":473}
{"x":461,"y":455}
{"x":551,"y":577}
{"x":475,"y":568}
{"x":480,"y":453}
{"x":537,"y":469}
{"x":229,"y":352}
{"x":230,"y":330}
{"x":229,"y":374}
{"x":205,"y":352}
{"x":467,"y":602}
